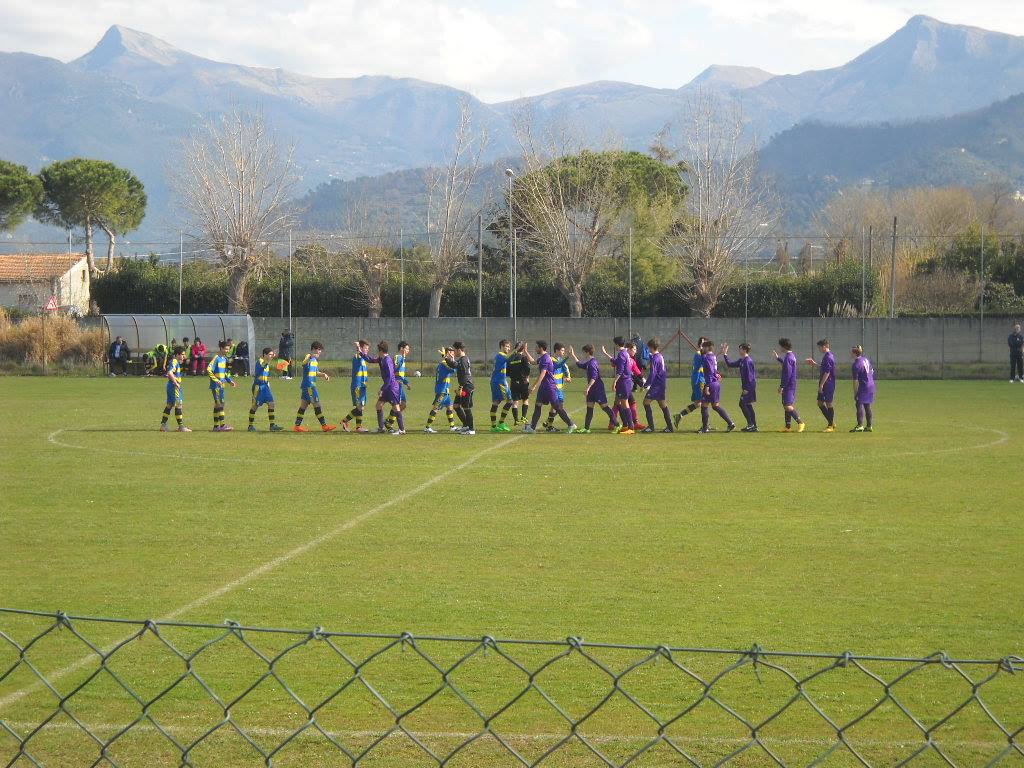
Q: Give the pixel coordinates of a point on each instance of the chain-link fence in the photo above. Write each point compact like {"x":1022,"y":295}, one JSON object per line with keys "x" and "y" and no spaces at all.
{"x":95,"y":691}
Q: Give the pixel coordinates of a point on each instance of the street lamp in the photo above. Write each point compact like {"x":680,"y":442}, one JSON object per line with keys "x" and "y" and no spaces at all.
{"x":512,"y":258}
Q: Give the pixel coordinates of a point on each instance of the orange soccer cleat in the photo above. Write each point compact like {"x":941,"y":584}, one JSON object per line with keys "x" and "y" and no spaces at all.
{"x":299,"y":428}
{"x":329,"y":427}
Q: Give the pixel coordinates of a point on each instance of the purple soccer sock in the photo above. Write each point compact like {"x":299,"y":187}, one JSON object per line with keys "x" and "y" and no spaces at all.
{"x":722,"y":412}
{"x":650,"y":415}
{"x":590,"y":418}
{"x":668,"y":416}
{"x":401,"y":422}
{"x":612,"y":418}
{"x":868,"y":414}
{"x":705,"y":417}
{"x":536,"y":416}
{"x":860,"y":414}
{"x":380,"y":420}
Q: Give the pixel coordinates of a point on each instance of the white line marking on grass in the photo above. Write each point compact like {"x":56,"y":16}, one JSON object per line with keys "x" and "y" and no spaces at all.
{"x":597,"y":738}
{"x":278,"y":561}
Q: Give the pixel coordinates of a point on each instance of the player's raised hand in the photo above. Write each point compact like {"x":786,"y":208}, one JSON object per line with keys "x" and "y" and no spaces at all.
{"x":810,"y":361}
{"x":776,"y":353}
{"x":725,"y":347}
{"x":326,"y":377}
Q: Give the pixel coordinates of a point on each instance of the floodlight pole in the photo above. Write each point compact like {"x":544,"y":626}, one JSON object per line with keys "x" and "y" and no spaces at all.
{"x":629,"y":303}
{"x":181,"y":267}
{"x":512,"y":259}
{"x":981,"y":298}
{"x":401,"y":279}
{"x":289,"y":284}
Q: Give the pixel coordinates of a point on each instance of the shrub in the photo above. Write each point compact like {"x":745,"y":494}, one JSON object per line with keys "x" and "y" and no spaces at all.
{"x":39,"y":340}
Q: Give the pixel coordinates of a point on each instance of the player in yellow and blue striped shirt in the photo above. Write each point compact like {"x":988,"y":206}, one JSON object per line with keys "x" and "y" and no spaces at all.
{"x":174,"y":391}
{"x":403,"y":380}
{"x":442,"y":391}
{"x":562,"y":376}
{"x":261,"y":394}
{"x":310,"y":373}
{"x":360,"y":373}
{"x":217,"y":370}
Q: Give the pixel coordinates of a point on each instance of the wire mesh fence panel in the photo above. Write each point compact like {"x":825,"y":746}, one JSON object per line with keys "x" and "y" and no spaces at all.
{"x":95,"y":691}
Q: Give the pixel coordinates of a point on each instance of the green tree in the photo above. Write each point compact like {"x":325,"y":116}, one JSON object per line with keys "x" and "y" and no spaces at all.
{"x":82,"y":194}
{"x":20,"y":193}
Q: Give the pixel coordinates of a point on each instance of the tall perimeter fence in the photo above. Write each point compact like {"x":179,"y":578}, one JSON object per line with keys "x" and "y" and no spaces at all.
{"x":96,"y":691}
{"x":902,"y":347}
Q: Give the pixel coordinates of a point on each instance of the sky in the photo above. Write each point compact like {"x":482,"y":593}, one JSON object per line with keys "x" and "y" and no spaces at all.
{"x":499,"y":49}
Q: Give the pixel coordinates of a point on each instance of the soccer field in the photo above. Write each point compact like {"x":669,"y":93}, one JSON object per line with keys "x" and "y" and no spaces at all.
{"x":901,"y":542}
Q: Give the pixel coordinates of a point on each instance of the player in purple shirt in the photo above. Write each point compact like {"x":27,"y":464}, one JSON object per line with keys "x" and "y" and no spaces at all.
{"x":787,"y":385}
{"x":657,"y":387}
{"x":748,"y":383}
{"x":712,"y":390}
{"x":863,"y":389}
{"x":826,"y":383}
{"x":594,"y":393}
{"x":623,"y":384}
{"x":389,"y":391}
{"x":548,"y":392}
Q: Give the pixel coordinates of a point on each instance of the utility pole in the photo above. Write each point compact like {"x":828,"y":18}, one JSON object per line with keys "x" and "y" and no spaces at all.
{"x":181,"y":268}
{"x":981,"y":298}
{"x":290,"y":286}
{"x":630,"y":300}
{"x":892,"y":274}
{"x":480,"y":265}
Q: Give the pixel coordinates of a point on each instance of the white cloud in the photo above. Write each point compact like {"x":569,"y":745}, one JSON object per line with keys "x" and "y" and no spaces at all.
{"x":497,"y":48}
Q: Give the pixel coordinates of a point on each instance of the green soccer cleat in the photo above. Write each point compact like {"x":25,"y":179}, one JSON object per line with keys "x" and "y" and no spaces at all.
{"x":503,"y":427}
{"x":583,"y":431}
{"x":495,"y":428}
{"x":868,"y":429}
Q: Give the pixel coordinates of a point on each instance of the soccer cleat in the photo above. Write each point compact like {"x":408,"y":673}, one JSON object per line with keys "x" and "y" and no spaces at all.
{"x":344,"y":425}
{"x":648,"y":430}
{"x":362,"y":430}
{"x":754,"y":428}
{"x":667,"y":431}
{"x":703,"y":431}
{"x":429,"y":431}
{"x":503,"y":427}
{"x":551,"y":430}
{"x":801,"y":426}
{"x":468,"y":432}
{"x":745,"y":429}
{"x":640,"y":427}
{"x":495,"y":429}
{"x":868,"y":429}
{"x":730,"y":428}
{"x":858,"y":428}
{"x":380,"y":431}
{"x":830,"y":428}
{"x":227,"y":428}
{"x":183,"y":428}
{"x":251,"y":428}
{"x":615,"y":428}
{"x":397,"y":432}
{"x":299,"y":428}
{"x":276,"y":428}
{"x":626,"y":431}
{"x":328,"y":427}
{"x":163,"y":427}
{"x":676,"y":419}
{"x":584,"y":431}
{"x":572,"y":428}
{"x":528,"y":429}
{"x":786,"y":429}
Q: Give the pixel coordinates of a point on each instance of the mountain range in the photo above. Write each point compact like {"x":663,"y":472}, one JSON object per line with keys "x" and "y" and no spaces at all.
{"x":133,"y":97}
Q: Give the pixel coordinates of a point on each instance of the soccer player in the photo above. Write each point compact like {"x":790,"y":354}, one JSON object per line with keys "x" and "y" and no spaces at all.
{"x":657,"y":387}
{"x":389,"y":390}
{"x":310,"y":372}
{"x":464,"y":398}
{"x":826,"y":384}
{"x":696,"y":383}
{"x":622,"y":384}
{"x":787,"y":385}
{"x":863,"y":389}
{"x":637,"y":371}
{"x":518,"y":370}
{"x":712,"y":391}
{"x":748,"y":383}
{"x":358,"y":387}
{"x":442,"y":392}
{"x":561,"y":376}
{"x":403,"y":380}
{"x":594,"y":393}
{"x":547,"y":394}
{"x":501,"y":392}
{"x":217,"y":370}
{"x":174,"y":391}
{"x":261,"y":394}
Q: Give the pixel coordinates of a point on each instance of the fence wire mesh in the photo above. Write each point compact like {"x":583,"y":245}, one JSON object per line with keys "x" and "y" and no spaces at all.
{"x":108,"y":692}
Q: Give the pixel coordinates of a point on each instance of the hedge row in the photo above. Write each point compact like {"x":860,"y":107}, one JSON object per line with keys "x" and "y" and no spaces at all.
{"x":142,"y":287}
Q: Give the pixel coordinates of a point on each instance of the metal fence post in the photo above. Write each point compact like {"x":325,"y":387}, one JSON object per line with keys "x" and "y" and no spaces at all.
{"x":981,"y":300}
{"x":892,"y":276}
{"x":181,"y":267}
{"x":479,"y":265}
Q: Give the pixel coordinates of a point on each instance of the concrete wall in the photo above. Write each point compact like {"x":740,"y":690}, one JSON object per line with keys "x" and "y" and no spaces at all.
{"x":906,"y":347}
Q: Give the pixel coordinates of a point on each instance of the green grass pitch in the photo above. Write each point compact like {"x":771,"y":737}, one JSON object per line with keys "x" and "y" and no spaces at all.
{"x":905,"y":541}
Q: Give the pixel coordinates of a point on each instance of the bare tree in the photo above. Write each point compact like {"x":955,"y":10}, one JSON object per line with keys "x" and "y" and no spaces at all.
{"x":567,"y":206}
{"x":730,"y":209}
{"x":450,"y":223}
{"x":235,"y":183}
{"x":368,"y":247}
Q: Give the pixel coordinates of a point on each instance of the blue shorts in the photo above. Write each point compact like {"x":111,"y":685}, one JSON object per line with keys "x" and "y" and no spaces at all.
{"x":358,"y":397}
{"x":561,"y":395}
{"x":217,"y":390}
{"x":261,"y":395}
{"x":173,"y":394}
{"x":500,"y":391}
{"x":310,"y":395}
{"x":442,"y":400}
{"x":697,"y":393}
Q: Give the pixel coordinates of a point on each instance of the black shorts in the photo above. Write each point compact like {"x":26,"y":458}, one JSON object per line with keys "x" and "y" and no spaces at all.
{"x":520,"y":389}
{"x":464,"y":400}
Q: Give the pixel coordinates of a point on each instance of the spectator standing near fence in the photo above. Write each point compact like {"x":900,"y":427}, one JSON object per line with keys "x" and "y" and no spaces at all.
{"x":241,"y":358}
{"x":1016,"y":342}
{"x":286,"y":351}
{"x":198,"y":362}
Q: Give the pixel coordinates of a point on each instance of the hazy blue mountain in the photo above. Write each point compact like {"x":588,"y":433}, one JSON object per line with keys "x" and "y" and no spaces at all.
{"x":810,"y":162}
{"x":133,"y":97}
